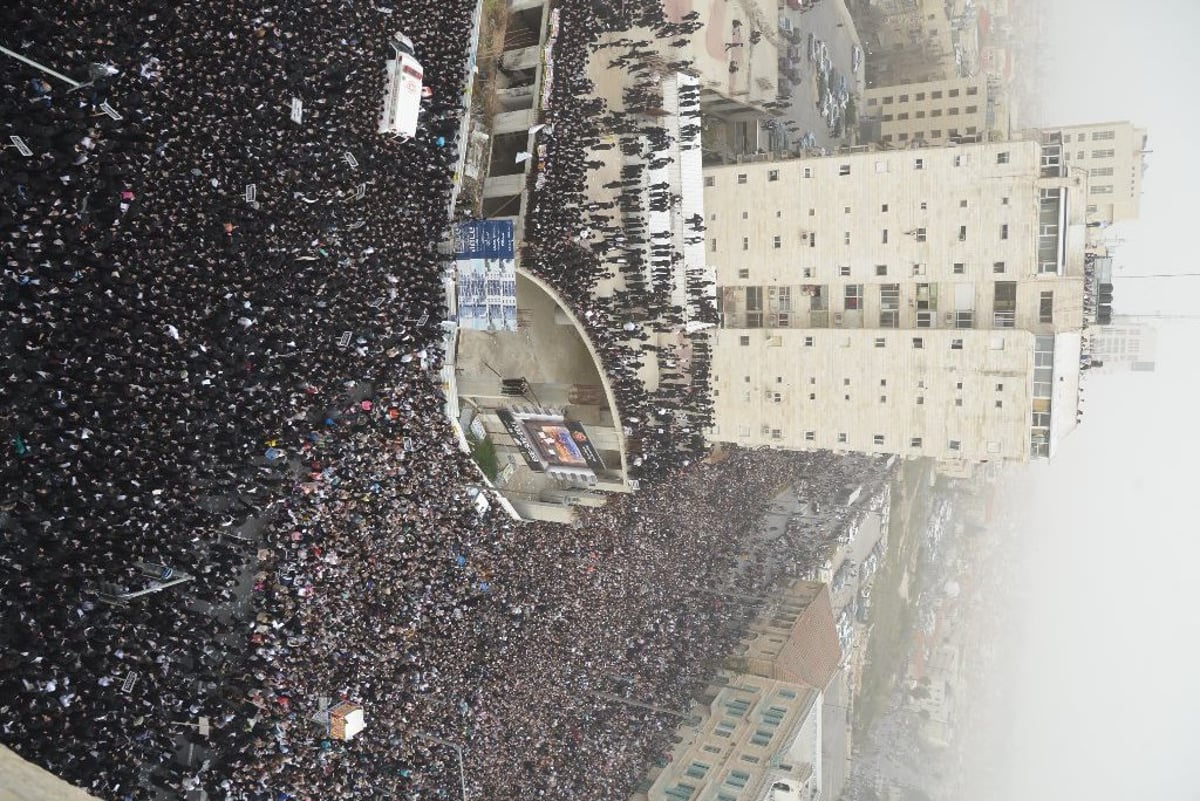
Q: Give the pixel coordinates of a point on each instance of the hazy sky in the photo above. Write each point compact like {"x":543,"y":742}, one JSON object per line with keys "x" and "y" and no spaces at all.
{"x":1107,"y":701}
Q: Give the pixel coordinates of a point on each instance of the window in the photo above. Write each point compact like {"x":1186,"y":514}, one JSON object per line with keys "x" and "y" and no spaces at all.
{"x":972,"y":109}
{"x":773,"y":175}
{"x":937,"y":112}
{"x":915,"y":442}
{"x":697,"y":770}
{"x":936,"y":133}
{"x":956,"y":344}
{"x":935,"y":95}
{"x":810,"y":436}
{"x":710,"y":180}
{"x":1004,"y":201}
{"x":972,"y":90}
{"x":745,"y":215}
{"x":887,"y":101}
{"x":1002,"y":157}
{"x":745,"y":243}
{"x":884,"y":236}
{"x":744,"y":272}
{"x":1101,"y":172}
{"x":998,"y":267}
{"x":777,"y":242}
{"x":744,"y":341}
{"x":883,"y":398}
{"x":808,"y":172}
{"x":920,"y":233}
{"x":920,"y":400}
{"x":1102,"y":189}
{"x":1100,"y":136}
{"x":883,"y":382}
{"x":999,"y":387}
{"x":846,"y":210}
{"x":880,"y":342}
{"x":919,"y":96}
{"x":960,"y":268}
{"x":738,"y":778}
{"x":881,"y":269}
{"x":714,"y":244}
{"x":903,"y":136}
{"x":877,"y":439}
{"x":872,"y":101}
{"x":1046,"y":307}
{"x":842,"y":438}
{"x":999,"y":404}
{"x":953,"y":93}
{"x":854,"y":295}
{"x":955,"y":445}
{"x":845,"y":382}
{"x":846,"y":238}
{"x":808,"y":272}
{"x":808,"y":342}
{"x":903,"y":98}
{"x":962,"y":233}
{"x":902,"y":115}
{"x":1103,"y":154}
{"x":741,"y":177}
{"x":918,"y":342}
{"x":924,"y":319}
{"x":887,"y":118}
{"x":844,"y":169}
{"x":889,"y":306}
{"x":884,"y":208}
{"x":918,"y":268}
{"x":958,"y":401}
{"x":919,"y":164}
{"x":952,"y":111}
{"x":844,"y":270}
{"x":1004,"y":231}
{"x":920,"y":115}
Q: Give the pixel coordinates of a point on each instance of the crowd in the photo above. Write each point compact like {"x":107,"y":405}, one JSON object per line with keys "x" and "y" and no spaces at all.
{"x":220,"y":312}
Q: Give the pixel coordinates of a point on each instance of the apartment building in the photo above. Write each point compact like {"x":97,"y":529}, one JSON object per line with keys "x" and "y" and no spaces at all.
{"x":922,"y":302}
{"x":757,"y":734}
{"x":1114,"y":156}
{"x":935,"y":112}
{"x":1127,"y":344}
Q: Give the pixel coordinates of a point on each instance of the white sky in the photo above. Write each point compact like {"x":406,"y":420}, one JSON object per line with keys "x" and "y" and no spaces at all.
{"x":1106,"y":705}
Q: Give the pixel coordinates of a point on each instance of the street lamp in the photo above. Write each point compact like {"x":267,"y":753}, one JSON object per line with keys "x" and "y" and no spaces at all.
{"x":74,"y":84}
{"x":462,"y":776}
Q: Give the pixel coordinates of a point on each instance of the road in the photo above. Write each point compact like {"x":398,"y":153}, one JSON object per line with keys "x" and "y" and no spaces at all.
{"x":830,"y":22}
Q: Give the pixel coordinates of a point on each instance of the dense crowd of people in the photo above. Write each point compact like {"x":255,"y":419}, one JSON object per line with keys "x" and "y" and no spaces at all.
{"x":214,"y":366}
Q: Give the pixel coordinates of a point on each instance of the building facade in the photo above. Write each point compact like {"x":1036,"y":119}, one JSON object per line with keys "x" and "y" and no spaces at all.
{"x":935,"y":112}
{"x":1114,"y":156}
{"x":1125,"y":345}
{"x":757,"y":735}
{"x":923,"y":302}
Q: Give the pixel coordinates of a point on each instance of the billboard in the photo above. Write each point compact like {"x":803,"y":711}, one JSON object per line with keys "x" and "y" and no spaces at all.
{"x":486,"y":275}
{"x":484,"y":239}
{"x":548,"y":442}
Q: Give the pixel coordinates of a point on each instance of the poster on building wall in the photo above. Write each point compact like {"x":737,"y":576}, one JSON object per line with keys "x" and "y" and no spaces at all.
{"x":486,"y":275}
{"x":548,"y":441}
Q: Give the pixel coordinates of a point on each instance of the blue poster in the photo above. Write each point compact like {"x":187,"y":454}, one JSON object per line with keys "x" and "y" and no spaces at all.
{"x":485,"y":239}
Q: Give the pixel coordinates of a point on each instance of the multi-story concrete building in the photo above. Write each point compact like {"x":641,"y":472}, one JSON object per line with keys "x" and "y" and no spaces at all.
{"x":757,"y":735}
{"x":922,"y":302}
{"x":935,"y":112}
{"x":1114,"y":155}
{"x":1126,"y":344}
